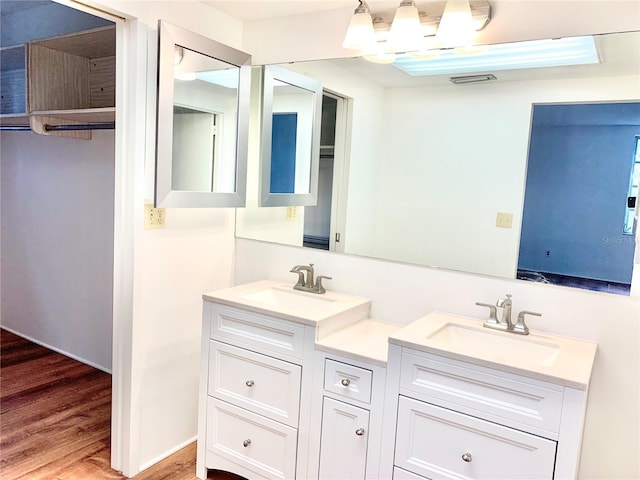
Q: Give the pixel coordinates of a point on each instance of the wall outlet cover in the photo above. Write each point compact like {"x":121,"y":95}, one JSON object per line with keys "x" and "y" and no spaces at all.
{"x":154,"y":218}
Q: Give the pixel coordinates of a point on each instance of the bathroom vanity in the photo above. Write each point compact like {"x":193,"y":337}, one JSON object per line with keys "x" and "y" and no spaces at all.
{"x":466,"y":401}
{"x":257,"y":380}
{"x":300,"y":385}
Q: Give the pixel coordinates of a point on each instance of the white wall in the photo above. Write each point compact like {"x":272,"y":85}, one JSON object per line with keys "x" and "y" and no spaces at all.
{"x":57,"y":242}
{"x":402,"y":293}
{"x":456,"y":156}
{"x":161,"y":273}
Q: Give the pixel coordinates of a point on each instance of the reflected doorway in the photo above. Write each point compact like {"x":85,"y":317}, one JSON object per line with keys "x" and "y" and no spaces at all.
{"x":575,"y":229}
{"x":317,"y":219}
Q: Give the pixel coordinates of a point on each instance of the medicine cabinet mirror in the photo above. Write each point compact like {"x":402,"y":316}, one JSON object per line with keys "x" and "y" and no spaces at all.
{"x":202,"y":121}
{"x":290,"y":142}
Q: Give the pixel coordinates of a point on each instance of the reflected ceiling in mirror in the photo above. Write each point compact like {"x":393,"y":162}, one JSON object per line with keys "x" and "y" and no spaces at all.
{"x":434,"y":167}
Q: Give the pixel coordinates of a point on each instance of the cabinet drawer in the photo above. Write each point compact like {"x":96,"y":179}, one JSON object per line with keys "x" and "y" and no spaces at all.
{"x":257,"y":443}
{"x":262,"y":384}
{"x":441,"y":444}
{"x":497,"y":396}
{"x":265,"y":333}
{"x":347,"y":380}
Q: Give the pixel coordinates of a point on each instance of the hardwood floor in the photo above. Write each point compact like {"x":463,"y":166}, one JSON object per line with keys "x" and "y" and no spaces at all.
{"x":55,"y":416}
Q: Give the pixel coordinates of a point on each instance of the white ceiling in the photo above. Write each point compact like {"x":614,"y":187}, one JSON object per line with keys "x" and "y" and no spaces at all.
{"x":249,"y":10}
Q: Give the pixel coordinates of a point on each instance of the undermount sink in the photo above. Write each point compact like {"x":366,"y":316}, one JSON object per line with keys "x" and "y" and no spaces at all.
{"x":501,"y":346}
{"x":279,"y":296}
{"x":540,"y":355}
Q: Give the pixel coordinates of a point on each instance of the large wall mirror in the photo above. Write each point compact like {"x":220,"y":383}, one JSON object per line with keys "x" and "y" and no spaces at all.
{"x":202,"y":121}
{"x":435,"y":173}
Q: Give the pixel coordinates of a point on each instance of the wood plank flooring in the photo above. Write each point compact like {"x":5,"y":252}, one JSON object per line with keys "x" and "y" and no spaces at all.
{"x":55,"y":416}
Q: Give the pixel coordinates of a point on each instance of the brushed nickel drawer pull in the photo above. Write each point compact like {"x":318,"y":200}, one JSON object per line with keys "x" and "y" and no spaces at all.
{"x":360,"y":432}
{"x":345,"y":382}
{"x":249,"y":383}
{"x":246,"y":443}
{"x":467,"y":457}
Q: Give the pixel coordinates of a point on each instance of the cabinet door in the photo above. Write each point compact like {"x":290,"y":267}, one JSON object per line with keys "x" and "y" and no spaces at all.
{"x":343,"y":444}
{"x":442,"y":444}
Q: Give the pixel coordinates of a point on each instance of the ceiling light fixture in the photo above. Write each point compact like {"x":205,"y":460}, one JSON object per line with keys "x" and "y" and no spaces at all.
{"x":456,"y":27}
{"x":360,"y":34}
{"x":406,"y":32}
{"x":506,"y":56}
{"x":416,"y":31}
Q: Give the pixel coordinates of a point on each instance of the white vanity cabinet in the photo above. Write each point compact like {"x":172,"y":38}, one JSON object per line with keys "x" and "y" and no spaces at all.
{"x":349,"y":401}
{"x":250,"y":411}
{"x":257,"y":377}
{"x":455,"y":419}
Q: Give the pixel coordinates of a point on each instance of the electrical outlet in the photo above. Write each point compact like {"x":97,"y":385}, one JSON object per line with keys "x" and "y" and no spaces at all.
{"x":153,"y":217}
{"x":504,"y":220}
{"x":292,"y":213}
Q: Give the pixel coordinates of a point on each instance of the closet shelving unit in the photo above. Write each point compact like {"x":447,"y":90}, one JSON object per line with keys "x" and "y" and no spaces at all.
{"x":62,"y":85}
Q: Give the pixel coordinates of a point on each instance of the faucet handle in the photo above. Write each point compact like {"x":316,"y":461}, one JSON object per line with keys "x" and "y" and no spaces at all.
{"x":493,"y":313}
{"x":520,"y":327}
{"x":318,"y":287}
{"x":501,"y":302}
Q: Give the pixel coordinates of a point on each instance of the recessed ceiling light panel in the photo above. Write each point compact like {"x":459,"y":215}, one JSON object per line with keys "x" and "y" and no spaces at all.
{"x":507,"y":56}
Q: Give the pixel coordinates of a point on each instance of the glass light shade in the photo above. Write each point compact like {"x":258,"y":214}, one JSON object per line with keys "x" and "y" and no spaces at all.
{"x":406,"y":32}
{"x":360,"y":34}
{"x":456,"y":27}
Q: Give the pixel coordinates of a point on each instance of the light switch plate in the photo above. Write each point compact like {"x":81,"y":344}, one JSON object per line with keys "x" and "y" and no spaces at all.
{"x":504,"y":220}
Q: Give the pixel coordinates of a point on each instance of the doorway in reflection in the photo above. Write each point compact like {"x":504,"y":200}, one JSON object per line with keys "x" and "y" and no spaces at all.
{"x":317,"y":219}
{"x":574,"y":231}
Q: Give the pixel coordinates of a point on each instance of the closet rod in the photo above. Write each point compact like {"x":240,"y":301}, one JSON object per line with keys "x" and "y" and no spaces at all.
{"x":80,"y":126}
{"x":62,"y":128}
{"x":15,"y":128}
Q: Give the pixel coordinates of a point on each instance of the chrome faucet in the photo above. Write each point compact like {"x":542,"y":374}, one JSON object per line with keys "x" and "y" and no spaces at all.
{"x":506,"y":323}
{"x":308,"y":284}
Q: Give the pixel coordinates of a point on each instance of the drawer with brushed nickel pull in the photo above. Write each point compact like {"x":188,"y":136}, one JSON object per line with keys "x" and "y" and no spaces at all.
{"x":435,"y":442}
{"x":257,"y":382}
{"x":347,"y":380}
{"x":255,"y":443}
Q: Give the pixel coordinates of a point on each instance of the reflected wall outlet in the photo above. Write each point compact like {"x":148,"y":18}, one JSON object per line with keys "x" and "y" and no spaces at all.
{"x":292,"y":213}
{"x":504,"y":220}
{"x":153,"y":217}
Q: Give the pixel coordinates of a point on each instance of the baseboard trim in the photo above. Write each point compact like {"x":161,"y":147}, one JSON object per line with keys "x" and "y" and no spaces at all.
{"x":159,"y":458}
{"x":57,"y":350}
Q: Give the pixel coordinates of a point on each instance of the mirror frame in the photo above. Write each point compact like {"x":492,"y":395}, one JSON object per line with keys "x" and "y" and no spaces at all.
{"x":270,"y":74}
{"x":170,"y":36}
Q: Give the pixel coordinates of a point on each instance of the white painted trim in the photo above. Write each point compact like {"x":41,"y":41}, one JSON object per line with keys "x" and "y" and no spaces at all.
{"x":57,"y":350}
{"x":168,"y":453}
{"x":129,"y":47}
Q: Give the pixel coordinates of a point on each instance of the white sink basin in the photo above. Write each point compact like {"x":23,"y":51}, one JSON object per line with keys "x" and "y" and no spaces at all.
{"x":328,"y":311}
{"x":563,"y":360}
{"x":281,"y":297}
{"x":500,"y":346}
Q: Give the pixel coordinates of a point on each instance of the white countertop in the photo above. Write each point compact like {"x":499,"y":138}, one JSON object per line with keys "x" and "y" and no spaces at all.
{"x":570,"y":363}
{"x":366,"y":340}
{"x":280,"y":299}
